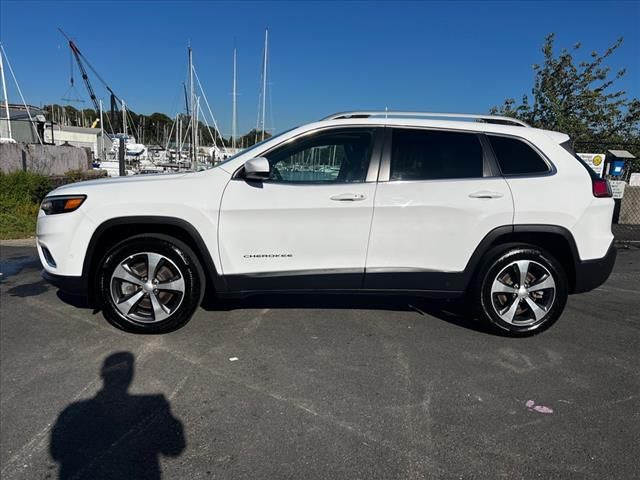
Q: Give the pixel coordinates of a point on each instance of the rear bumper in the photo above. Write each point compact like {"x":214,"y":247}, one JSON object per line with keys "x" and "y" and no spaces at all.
{"x":76,"y":286}
{"x":591,"y":274}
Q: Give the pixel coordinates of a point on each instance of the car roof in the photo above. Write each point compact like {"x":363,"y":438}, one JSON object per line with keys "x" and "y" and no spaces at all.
{"x":461,"y":125}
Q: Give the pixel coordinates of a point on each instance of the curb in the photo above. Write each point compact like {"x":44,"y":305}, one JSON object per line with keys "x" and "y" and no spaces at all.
{"x":19,"y":242}
{"x":627,"y":243}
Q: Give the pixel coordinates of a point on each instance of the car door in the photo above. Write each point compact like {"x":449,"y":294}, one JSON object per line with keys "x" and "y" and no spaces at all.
{"x":439,"y":195}
{"x":307,"y":225}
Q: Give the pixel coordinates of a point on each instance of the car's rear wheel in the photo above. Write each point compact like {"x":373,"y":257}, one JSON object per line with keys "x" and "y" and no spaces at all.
{"x":523,"y":290}
{"x":150,"y":284}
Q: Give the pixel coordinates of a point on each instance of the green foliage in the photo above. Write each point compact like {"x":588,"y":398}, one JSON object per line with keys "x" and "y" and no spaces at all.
{"x":18,"y":220}
{"x":73,"y":176}
{"x":578,"y":97}
{"x":24,"y":187}
{"x":251,"y":138}
{"x":20,"y":197}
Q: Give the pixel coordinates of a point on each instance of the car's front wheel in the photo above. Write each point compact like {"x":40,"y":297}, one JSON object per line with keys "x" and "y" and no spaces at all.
{"x":523,"y":290}
{"x":150,"y":284}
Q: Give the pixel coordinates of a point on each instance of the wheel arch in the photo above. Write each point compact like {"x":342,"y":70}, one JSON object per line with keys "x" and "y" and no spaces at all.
{"x":117,"y":229}
{"x":555,"y":239}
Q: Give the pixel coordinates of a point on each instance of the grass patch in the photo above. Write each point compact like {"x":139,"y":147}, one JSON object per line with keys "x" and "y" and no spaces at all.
{"x":20,"y":197}
{"x":21,"y":194}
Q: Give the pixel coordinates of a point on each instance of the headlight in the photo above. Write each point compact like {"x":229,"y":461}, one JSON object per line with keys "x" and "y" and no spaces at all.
{"x":62,"y":204}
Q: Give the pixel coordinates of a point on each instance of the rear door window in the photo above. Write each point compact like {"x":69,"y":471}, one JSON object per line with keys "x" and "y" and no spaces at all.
{"x":435,"y":155}
{"x":516,"y":157}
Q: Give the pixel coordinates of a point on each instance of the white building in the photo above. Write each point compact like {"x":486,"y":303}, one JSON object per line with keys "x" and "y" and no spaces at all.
{"x":79,"y":137}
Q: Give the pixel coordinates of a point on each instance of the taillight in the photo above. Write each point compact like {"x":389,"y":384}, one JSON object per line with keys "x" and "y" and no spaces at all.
{"x":601,"y":188}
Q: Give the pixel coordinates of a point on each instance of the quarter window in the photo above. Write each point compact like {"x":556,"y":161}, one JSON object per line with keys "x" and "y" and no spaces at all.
{"x":515,"y":157}
{"x":330,"y":157}
{"x":434,"y":155}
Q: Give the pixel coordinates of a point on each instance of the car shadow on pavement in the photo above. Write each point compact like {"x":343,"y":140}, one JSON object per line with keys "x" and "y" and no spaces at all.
{"x":10,"y":267}
{"x":455,"y":312}
{"x":116,"y":435}
{"x":29,"y":289}
{"x":452,"y":311}
{"x":73,"y":300}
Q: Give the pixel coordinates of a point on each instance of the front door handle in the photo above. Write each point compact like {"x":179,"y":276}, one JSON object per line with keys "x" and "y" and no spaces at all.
{"x":486,"y":194}
{"x":348,"y":197}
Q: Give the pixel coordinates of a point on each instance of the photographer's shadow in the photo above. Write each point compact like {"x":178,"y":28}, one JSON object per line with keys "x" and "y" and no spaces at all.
{"x":115,"y":434}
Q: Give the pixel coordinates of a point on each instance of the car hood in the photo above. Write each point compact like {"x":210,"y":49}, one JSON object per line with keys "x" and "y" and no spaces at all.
{"x":104,"y":182}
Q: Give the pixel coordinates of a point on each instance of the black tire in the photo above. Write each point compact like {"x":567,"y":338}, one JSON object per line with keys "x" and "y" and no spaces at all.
{"x":536,"y":310}
{"x":178,"y":262}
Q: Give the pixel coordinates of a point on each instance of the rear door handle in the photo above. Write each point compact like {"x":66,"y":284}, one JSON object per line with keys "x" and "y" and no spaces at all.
{"x":486,"y":194}
{"x":348,"y":197}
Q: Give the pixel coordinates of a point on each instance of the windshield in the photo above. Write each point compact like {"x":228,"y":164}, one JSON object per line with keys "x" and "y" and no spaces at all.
{"x":254,"y":146}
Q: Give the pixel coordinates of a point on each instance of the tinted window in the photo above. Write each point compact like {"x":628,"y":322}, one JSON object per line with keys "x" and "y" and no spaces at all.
{"x":338,"y":156}
{"x":432,"y":155}
{"x":516,"y":157}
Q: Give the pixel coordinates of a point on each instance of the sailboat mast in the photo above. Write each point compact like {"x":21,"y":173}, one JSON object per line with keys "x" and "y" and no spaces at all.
{"x":102,"y":155}
{"x":124,"y":118}
{"x":197,"y":136}
{"x":6,"y":97}
{"x":177,"y":136}
{"x":264,"y":79}
{"x":234,"y":119}
{"x":193,"y":120}
{"x":180,"y":139}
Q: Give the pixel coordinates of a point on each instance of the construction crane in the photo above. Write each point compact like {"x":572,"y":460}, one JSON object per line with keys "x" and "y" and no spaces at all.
{"x":71,"y":95}
{"x":81,"y":61}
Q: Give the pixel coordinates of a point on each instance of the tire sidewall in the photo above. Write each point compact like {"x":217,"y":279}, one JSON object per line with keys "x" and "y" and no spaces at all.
{"x":184,"y":259}
{"x":499,"y":262}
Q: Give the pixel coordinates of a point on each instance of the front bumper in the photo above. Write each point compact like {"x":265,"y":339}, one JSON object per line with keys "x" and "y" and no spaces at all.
{"x":75,"y":286}
{"x":591,"y":274}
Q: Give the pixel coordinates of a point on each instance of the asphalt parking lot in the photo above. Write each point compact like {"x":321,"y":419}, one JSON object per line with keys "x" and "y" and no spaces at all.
{"x":317,"y":387}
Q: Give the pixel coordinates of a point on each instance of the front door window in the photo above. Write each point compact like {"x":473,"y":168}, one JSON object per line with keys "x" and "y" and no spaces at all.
{"x":333,"y":157}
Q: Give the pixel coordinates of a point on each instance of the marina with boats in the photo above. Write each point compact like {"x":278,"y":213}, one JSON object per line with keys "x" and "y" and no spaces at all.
{"x":122,"y":142}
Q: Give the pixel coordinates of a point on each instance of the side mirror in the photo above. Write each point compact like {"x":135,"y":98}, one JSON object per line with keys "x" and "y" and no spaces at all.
{"x":257,"y":169}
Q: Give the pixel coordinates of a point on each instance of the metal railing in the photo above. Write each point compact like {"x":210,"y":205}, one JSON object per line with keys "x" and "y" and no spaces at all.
{"x":402,"y":114}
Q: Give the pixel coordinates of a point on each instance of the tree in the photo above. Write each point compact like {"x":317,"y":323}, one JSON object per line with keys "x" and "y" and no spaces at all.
{"x":579,"y":99}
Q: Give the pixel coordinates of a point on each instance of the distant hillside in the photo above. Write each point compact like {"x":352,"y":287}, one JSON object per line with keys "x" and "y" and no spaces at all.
{"x":148,"y":129}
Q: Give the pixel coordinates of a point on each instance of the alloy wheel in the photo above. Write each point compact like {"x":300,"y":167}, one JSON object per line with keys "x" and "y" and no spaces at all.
{"x":523,"y":292}
{"x":147,"y":287}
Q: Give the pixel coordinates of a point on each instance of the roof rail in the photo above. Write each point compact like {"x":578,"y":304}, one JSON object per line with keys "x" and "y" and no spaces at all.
{"x":469,"y":116}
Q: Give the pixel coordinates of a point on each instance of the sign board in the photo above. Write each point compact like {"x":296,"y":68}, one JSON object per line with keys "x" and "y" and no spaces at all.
{"x":617,"y":188}
{"x":634,"y":181}
{"x":594,"y":160}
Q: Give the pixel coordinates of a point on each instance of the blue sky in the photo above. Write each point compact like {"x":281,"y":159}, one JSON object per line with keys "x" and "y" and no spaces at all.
{"x":325,"y":56}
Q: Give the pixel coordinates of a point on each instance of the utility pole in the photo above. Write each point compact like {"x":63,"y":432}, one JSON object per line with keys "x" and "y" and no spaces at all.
{"x":121,"y":153}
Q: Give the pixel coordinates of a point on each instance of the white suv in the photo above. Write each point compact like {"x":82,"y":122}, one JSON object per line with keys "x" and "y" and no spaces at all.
{"x":377,"y":202}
